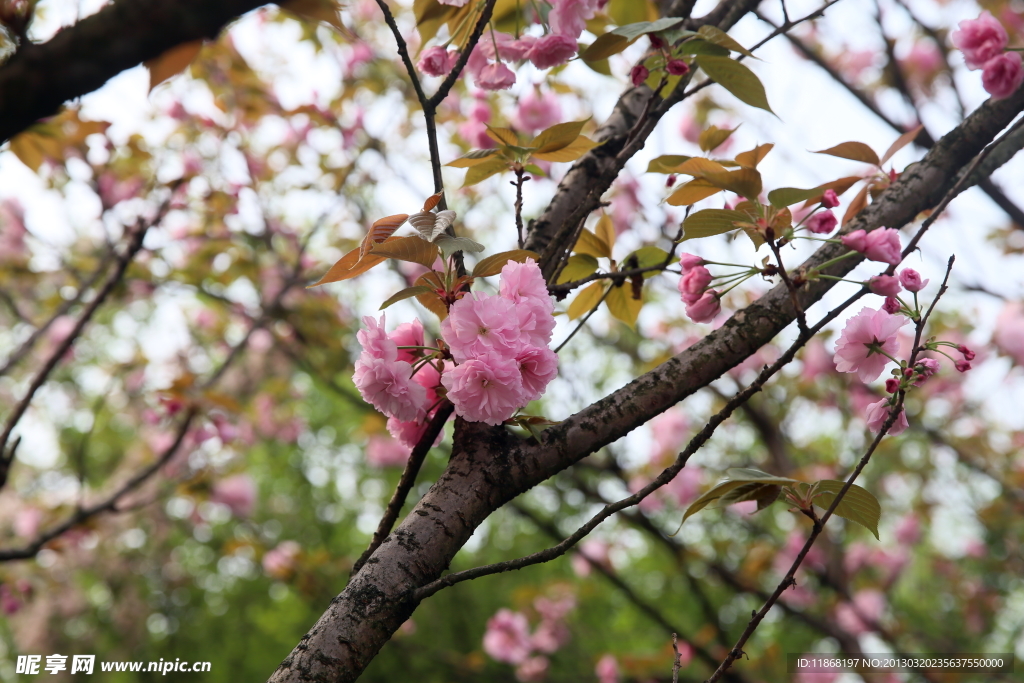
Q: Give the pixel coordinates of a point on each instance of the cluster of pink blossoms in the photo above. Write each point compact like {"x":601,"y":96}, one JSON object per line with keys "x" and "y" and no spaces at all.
{"x":486,"y":64}
{"x":385,"y":379}
{"x":500,"y":345}
{"x":508,"y":637}
{"x":702,"y":303}
{"x":983,"y":41}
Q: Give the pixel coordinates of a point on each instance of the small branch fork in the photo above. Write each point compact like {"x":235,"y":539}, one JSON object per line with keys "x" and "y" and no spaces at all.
{"x":801,"y":318}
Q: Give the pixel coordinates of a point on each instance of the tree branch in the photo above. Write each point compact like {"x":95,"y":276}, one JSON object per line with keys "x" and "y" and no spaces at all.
{"x":38,"y":79}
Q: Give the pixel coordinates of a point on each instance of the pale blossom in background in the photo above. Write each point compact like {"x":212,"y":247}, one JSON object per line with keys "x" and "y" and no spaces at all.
{"x":607,"y":669}
{"x":280,"y":562}
{"x":237,"y":492}
{"x":507,"y":638}
{"x":382,"y":451}
{"x":859,"y":617}
{"x":537,"y":110}
{"x":1009,"y":333}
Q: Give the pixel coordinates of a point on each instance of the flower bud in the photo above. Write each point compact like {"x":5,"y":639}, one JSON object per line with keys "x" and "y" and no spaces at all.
{"x":829,"y":199}
{"x":638,"y":75}
{"x":677,"y":67}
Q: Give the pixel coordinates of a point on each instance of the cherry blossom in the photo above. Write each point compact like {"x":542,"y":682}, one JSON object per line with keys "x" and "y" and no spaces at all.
{"x":878,"y":413}
{"x":569,"y":17}
{"x":706,"y":308}
{"x":496,"y":76}
{"x":487,"y":390}
{"x":507,"y":638}
{"x":822,"y":222}
{"x":1003,"y":75}
{"x":375,"y":341}
{"x":911,"y":280}
{"x":537,"y":110}
{"x":389,"y":388}
{"x":979,"y":39}
{"x":607,"y":669}
{"x":237,"y":492}
{"x":693,"y":283}
{"x":279,"y":562}
{"x":538,"y":365}
{"x":436,"y":61}
{"x":552,"y":50}
{"x":480,"y":324}
{"x":1009,"y":332}
{"x":885,"y":285}
{"x":382,"y":451}
{"x":864,"y":339}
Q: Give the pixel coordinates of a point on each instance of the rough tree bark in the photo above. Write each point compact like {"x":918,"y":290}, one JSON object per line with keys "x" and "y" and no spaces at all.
{"x":39,"y":78}
{"x":490,"y":466}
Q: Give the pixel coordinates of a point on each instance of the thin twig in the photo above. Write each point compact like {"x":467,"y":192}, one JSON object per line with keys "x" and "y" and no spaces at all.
{"x":801,"y":318}
{"x":584,"y":320}
{"x":405,"y":484}
{"x":521,"y":178}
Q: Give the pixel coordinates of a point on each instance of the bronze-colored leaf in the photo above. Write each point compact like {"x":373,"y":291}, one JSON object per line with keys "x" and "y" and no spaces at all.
{"x":713,"y":137}
{"x":406,"y":293}
{"x":557,"y":136}
{"x":431,"y":301}
{"x":571,"y":152}
{"x":745,"y":182}
{"x":351,"y":264}
{"x":411,"y":248}
{"x":692,"y":192}
{"x":172,"y":62}
{"x":698,"y":166}
{"x":474,"y":158}
{"x":432,"y":201}
{"x":854,"y":151}
{"x":381,"y":229}
{"x":667,"y":163}
{"x":752,"y":158}
{"x":860,"y":201}
{"x":503,"y":136}
{"x":485,"y":170}
{"x":901,"y":142}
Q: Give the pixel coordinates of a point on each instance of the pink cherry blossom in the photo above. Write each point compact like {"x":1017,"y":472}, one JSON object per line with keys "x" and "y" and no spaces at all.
{"x":690,"y":261}
{"x":538,"y":365}
{"x":537,"y":111}
{"x":908,"y":530}
{"x":552,"y":50}
{"x":237,"y":492}
{"x":822,"y":222}
{"x":550,"y":635}
{"x":554,"y":610}
{"x":523,"y":281}
{"x":1009,"y":332}
{"x":591,"y":550}
{"x":569,"y":17}
{"x":533,"y":670}
{"x":911,"y":280}
{"x":1003,"y":75}
{"x":854,"y":352}
{"x":12,"y":231}
{"x":496,"y":76}
{"x":383,"y":451}
{"x":686,"y":485}
{"x":279,"y":562}
{"x":536,"y":322}
{"x":693,"y":283}
{"x":878,"y":413}
{"x":979,"y":39}
{"x":436,"y":61}
{"x":883,"y":245}
{"x":113,"y":190}
{"x":26,"y":522}
{"x":858,"y":617}
{"x":509,"y":49}
{"x":892,"y":305}
{"x":507,"y":637}
{"x":829,"y":199}
{"x":926,"y":367}
{"x":408,"y":334}
{"x":704,"y":309}
{"x":479,"y":324}
{"x":389,"y":388}
{"x":885,"y":285}
{"x":856,"y":240}
{"x":817,"y":361}
{"x":488,"y":389}
{"x":668,"y":429}
{"x":375,"y":341}
{"x":607,"y":669}
{"x":409,"y":433}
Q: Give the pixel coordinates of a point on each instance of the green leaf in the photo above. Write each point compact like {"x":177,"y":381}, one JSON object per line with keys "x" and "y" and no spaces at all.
{"x":745,"y":182}
{"x":484,"y":171}
{"x":405,"y":294}
{"x":535,"y":170}
{"x":557,"y":136}
{"x":503,"y":136}
{"x":720,"y":37}
{"x":787,"y":196}
{"x":854,"y":151}
{"x":666,"y":163}
{"x":858,"y":505}
{"x":449,"y":245}
{"x":634,"y":31}
{"x":648,"y":257}
{"x":605,"y":46}
{"x":701,"y":47}
{"x":737,"y":79}
{"x":692,"y":192}
{"x":493,"y":264}
{"x":474,"y":158}
{"x":738,"y":478}
{"x":577,"y":267}
{"x":713,"y":137}
{"x":622,"y":305}
{"x":710,"y":222}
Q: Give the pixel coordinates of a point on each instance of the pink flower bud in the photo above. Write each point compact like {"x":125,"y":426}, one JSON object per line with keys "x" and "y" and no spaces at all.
{"x":1003,"y":75}
{"x":690,"y":261}
{"x":705,"y":308}
{"x":980,"y":40}
{"x":693,"y":283}
{"x":638,"y":74}
{"x":671,"y":180}
{"x":677,"y":67}
{"x":885,"y":285}
{"x":656,"y":42}
{"x":436,"y":61}
{"x":496,"y":76}
{"x":829,"y":199}
{"x":968,"y":354}
{"x":926,"y":367}
{"x":878,"y":413}
{"x":883,"y":245}
{"x":855,"y":240}
{"x":822,"y":223}
{"x":911,"y":279}
{"x":892,"y":385}
{"x":962,"y":365}
{"x":892,"y":305}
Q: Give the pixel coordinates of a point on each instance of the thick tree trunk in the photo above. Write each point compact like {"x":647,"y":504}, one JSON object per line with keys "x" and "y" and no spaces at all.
{"x":38,"y":79}
{"x":489,"y":466}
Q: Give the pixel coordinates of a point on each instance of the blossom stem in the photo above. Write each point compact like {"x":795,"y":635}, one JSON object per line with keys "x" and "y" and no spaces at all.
{"x":837,"y":259}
